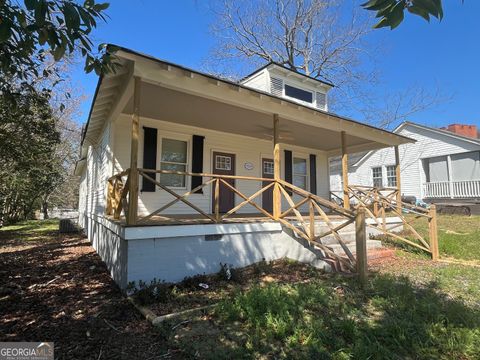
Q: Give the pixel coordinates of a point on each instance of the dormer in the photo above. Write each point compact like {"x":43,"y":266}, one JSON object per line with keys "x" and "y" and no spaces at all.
{"x":291,"y":85}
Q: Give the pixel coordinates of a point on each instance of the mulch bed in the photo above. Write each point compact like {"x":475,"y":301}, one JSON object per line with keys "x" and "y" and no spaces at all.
{"x":56,"y":288}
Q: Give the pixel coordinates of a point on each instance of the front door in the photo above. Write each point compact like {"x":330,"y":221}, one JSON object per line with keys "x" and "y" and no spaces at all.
{"x":267,"y":195}
{"x":224,"y":164}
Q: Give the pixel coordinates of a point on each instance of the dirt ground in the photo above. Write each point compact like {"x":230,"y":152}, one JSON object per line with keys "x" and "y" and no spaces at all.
{"x":59,"y":290}
{"x":56,"y":288}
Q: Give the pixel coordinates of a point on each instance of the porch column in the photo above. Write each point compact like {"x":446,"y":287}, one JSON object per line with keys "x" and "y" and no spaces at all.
{"x":277,"y":199}
{"x":397,"y":175}
{"x":346,"y":198}
{"x":450,"y":176}
{"x":133,"y":176}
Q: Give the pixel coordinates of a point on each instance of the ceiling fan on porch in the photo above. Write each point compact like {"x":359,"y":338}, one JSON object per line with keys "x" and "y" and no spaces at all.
{"x":284,"y":134}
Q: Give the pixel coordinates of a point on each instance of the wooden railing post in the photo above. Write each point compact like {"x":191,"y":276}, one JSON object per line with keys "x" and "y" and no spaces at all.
{"x":433,"y":232}
{"x":217,"y":200}
{"x":361,"y":244}
{"x":277,"y":197}
{"x":312,"y":220}
{"x":346,"y":197}
{"x":110,"y":193}
{"x":132,"y":212}
{"x":375,"y":202}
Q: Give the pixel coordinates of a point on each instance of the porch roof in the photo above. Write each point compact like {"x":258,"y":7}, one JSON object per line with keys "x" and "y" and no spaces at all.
{"x":174,"y":93}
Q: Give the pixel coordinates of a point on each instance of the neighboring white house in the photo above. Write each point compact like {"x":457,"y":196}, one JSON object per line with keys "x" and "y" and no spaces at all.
{"x":441,"y":165}
{"x":163,"y":118}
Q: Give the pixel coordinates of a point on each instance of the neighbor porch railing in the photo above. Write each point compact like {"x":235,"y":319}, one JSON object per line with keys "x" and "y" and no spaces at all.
{"x":301,"y":224}
{"x":378,"y":202}
{"x":469,"y":189}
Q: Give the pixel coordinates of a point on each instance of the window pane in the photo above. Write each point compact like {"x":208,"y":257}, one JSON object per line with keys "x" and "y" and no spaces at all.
{"x":300,"y":181}
{"x":377,"y":183}
{"x":377,"y":179}
{"x":392,"y":181}
{"x":391,"y":176}
{"x":174,"y":150}
{"x":297,"y":93}
{"x":299,"y":166}
{"x":223,"y":162}
{"x":172,"y":179}
{"x":268,"y":167}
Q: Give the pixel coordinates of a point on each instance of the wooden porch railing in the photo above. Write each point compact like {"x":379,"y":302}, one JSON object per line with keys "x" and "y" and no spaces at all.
{"x":117,"y":194}
{"x":302,"y":225}
{"x":378,"y":202}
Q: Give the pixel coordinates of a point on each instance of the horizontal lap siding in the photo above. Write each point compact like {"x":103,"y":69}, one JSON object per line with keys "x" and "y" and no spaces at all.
{"x":429,"y":144}
{"x":97,"y":173}
{"x":245,"y":149}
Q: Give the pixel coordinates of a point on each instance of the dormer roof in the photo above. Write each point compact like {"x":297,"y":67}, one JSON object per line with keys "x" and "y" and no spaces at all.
{"x":272,"y":65}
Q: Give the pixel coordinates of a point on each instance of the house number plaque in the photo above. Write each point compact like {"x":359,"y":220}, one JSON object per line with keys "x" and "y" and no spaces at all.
{"x":248,"y":166}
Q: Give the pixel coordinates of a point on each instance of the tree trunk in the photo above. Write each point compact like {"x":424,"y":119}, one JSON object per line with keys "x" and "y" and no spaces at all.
{"x":45,"y":209}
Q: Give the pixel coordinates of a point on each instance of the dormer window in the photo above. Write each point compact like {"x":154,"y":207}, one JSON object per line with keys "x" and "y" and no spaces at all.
{"x":299,"y":94}
{"x":280,"y":88}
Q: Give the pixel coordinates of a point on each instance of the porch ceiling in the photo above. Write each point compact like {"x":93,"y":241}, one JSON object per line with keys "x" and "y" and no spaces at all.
{"x":166,"y":104}
{"x":173,"y":93}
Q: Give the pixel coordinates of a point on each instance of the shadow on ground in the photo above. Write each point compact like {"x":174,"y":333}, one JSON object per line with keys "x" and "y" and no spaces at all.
{"x":55,"y":288}
{"x":334,"y":319}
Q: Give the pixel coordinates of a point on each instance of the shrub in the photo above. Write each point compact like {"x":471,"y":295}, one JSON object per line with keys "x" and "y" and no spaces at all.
{"x":145,"y":294}
{"x":229,"y":273}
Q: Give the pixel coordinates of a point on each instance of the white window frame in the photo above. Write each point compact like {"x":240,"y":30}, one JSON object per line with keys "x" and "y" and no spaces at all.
{"x":225,"y":158}
{"x":169,"y":136}
{"x":394,"y":176}
{"x":300,"y":88}
{"x":307,"y":170}
{"x":263,"y":162}
{"x":377,"y":177}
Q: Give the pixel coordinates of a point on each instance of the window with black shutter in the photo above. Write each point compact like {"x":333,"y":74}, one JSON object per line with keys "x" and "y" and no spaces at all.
{"x":149,"y":157}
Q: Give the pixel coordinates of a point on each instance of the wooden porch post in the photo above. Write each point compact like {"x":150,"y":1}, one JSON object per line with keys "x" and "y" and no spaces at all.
{"x":346,"y":198}
{"x":277,"y":200}
{"x":361,"y":245}
{"x":133,"y":176}
{"x":398,"y":178}
{"x":433,"y":232}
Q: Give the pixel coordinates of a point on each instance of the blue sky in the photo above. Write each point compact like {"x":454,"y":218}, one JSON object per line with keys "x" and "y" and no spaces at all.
{"x":438,"y":54}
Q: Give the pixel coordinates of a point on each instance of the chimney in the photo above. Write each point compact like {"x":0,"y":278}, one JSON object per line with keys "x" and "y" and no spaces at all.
{"x":464,"y":130}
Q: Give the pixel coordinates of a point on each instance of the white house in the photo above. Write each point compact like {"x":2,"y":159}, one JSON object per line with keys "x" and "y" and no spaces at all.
{"x":441,"y":166}
{"x":182,"y":170}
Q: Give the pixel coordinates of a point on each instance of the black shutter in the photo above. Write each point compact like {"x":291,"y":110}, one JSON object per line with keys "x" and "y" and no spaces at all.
{"x":288,"y":168}
{"x":149,"y":156}
{"x":313,"y":174}
{"x":197,"y":161}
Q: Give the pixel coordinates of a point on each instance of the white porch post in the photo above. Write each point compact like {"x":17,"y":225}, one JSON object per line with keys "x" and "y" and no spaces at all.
{"x":398,"y":178}
{"x":450,"y":176}
{"x":277,"y":200}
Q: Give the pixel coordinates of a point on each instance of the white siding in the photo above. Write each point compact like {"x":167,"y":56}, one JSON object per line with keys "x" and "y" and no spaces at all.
{"x":94,"y":180}
{"x":259,"y":81}
{"x":429,"y":144}
{"x":246,"y":149}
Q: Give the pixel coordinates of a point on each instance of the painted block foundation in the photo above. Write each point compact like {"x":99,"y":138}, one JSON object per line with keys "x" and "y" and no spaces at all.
{"x":129,"y":257}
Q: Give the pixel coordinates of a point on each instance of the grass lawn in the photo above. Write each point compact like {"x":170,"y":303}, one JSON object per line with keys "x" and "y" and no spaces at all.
{"x":411,"y":307}
{"x":458,"y":236}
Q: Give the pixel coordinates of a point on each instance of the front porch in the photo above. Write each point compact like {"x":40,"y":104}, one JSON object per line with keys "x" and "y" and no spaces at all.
{"x":204,"y":171}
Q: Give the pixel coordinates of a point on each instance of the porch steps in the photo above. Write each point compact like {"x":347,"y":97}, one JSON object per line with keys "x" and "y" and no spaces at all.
{"x":347,"y":234}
